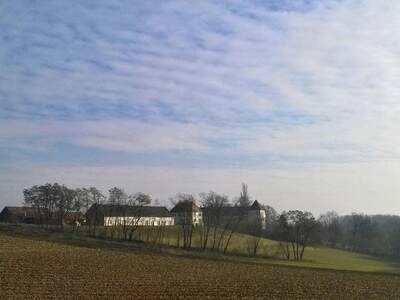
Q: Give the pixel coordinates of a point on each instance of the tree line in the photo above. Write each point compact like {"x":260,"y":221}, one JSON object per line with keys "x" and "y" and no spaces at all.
{"x":294,"y":230}
{"x":377,"y":235}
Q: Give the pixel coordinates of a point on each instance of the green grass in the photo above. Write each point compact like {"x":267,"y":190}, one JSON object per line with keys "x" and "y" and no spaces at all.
{"x":314,"y":257}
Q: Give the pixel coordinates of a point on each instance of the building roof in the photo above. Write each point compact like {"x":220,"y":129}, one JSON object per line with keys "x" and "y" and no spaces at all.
{"x":111,"y":210}
{"x":256,"y":206}
{"x":186,"y":206}
{"x":226,"y":211}
{"x":20,"y":211}
{"x":230,"y":211}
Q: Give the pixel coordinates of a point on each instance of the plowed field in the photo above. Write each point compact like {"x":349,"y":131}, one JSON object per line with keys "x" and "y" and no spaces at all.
{"x":41,"y":269}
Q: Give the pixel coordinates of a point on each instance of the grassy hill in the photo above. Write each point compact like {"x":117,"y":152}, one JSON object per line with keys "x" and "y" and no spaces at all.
{"x":268,"y":252}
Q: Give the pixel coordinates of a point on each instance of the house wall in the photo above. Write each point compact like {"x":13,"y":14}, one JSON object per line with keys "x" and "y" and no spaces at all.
{"x":142,"y":221}
{"x":5,"y":216}
{"x":257,"y":216}
{"x":195,"y":218}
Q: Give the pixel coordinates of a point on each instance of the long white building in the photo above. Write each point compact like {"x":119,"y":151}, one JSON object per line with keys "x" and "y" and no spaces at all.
{"x":111,"y":215}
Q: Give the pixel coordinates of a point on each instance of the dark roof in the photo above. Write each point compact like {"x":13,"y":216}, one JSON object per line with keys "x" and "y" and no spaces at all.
{"x":226,"y":211}
{"x":111,"y":210}
{"x":256,"y":206}
{"x":74,"y":215}
{"x":20,"y":211}
{"x":233,"y":210}
{"x":185,"y":206}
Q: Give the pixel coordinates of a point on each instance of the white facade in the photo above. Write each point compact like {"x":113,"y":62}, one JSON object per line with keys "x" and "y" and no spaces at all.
{"x":139,"y":221}
{"x":195,"y":218}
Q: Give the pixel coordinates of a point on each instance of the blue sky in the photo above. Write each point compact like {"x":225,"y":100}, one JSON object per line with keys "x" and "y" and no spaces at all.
{"x":173,"y":96}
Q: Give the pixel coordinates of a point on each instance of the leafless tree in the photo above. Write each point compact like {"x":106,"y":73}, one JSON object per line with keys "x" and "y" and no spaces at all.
{"x":136,"y":203}
{"x":118,"y":200}
{"x":234,"y":223}
{"x":297,"y":228}
{"x":185,"y":219}
{"x":255,"y":236}
{"x":213,"y":205}
{"x":96,"y":198}
{"x":330,"y":227}
{"x":66,"y":202}
{"x":244,"y":199}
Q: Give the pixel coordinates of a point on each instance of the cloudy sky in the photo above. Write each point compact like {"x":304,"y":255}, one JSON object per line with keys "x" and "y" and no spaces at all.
{"x":299,"y":99}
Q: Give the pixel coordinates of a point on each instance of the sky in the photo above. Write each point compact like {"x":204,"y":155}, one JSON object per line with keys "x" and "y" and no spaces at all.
{"x":298,"y":99}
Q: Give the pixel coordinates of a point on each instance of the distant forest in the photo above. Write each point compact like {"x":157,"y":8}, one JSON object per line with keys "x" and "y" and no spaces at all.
{"x":377,"y":235}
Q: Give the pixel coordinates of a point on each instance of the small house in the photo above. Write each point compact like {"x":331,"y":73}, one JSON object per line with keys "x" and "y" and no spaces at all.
{"x":187,"y":212}
{"x":14,"y":214}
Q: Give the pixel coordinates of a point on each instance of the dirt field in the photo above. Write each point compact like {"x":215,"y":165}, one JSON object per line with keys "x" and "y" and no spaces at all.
{"x":38,"y":269}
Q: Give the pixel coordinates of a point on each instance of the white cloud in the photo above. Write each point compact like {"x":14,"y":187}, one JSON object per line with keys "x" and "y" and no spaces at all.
{"x":313,"y":83}
{"x":335,"y":64}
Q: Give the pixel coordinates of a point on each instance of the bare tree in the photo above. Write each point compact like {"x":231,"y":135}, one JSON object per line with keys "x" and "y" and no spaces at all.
{"x":118,"y":200}
{"x":283,"y":235}
{"x":84,"y":199}
{"x":96,"y":198}
{"x":185,"y":217}
{"x":66,"y":201}
{"x":33,"y":198}
{"x":234,"y":222}
{"x":297,"y":228}
{"x":244,"y":199}
{"x":51,"y":202}
{"x":212,"y":204}
{"x":254,"y":228}
{"x":330,"y":227}
{"x":136,"y":203}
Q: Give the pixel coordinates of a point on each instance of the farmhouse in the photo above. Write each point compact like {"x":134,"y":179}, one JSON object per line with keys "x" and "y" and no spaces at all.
{"x":110,"y":215}
{"x":255,"y":214}
{"x":186,"y":213}
{"x":31,"y":215}
{"x":13,"y":214}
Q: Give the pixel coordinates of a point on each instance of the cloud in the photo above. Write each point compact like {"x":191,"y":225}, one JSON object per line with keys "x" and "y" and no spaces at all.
{"x":227,"y":83}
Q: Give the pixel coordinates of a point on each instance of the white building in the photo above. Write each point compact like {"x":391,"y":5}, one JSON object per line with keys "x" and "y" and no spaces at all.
{"x":187,"y":212}
{"x":111,"y":215}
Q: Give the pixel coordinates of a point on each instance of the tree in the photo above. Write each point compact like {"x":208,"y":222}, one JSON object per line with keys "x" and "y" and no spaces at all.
{"x":244,"y":199}
{"x":361,"y":233}
{"x":136,"y":202}
{"x":51,"y":202}
{"x":66,"y":201}
{"x":96,"y":198}
{"x":283,"y":235}
{"x":271,"y":217}
{"x":118,"y":200}
{"x":296,"y":229}
{"x":213,"y":205}
{"x":139,"y":199}
{"x":117,"y":196}
{"x":32,"y":197}
{"x":84,"y":199}
{"x":330,"y":228}
{"x":233,"y":223}
{"x":186,"y":224}
{"x":254,"y":229}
